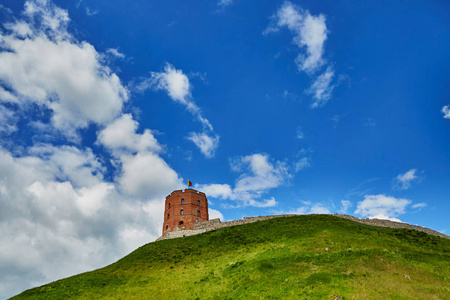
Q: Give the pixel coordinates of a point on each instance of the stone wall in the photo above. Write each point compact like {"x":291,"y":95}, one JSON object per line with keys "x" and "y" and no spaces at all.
{"x":392,"y":224}
{"x":215,"y":224}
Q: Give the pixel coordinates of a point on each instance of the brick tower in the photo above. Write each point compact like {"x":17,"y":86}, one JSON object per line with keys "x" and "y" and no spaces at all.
{"x":185,"y":208}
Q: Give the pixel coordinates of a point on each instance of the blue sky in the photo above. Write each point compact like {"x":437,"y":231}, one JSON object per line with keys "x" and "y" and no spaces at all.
{"x":269,"y":107}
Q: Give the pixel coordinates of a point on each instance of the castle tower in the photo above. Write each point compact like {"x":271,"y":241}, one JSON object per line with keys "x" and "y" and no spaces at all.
{"x":184,"y":208}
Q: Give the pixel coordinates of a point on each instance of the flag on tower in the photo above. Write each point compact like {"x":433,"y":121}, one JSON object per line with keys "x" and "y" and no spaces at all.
{"x":189,"y":183}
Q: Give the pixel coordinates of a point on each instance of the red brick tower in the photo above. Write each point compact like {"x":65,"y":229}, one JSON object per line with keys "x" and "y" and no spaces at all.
{"x":184,"y":208}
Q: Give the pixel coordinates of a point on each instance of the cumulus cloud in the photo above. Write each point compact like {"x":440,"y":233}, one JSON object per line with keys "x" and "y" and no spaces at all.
{"x":42,"y":63}
{"x":215,"y":214}
{"x":206,"y":143}
{"x":319,"y":209}
{"x":178,"y":87}
{"x":147,"y":176}
{"x":308,"y":208}
{"x":5,"y":9}
{"x":404,"y":181}
{"x":20,"y":29}
{"x":322,"y":88}
{"x":7,"y":120}
{"x":68,"y":163}
{"x":419,"y":206}
{"x":258,"y":175}
{"x":446,"y":111}
{"x":382,"y":207}
{"x":120,"y":135}
{"x":345,"y":205}
{"x":300,"y":135}
{"x":91,"y":12}
{"x":47,"y":17}
{"x":215,"y":190}
{"x":302,"y":163}
{"x":223,"y":3}
{"x":174,"y":82}
{"x":59,"y":217}
{"x":262,"y":174}
{"x":63,"y":209}
{"x":303,"y":160}
{"x":264,"y":203}
{"x":310,"y":33}
{"x":115,"y":53}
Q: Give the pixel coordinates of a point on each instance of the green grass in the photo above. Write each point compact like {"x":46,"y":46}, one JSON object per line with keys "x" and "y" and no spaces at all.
{"x":302,"y":257}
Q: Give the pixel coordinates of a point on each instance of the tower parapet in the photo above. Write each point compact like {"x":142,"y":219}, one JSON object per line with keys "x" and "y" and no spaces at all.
{"x":184,"y":209}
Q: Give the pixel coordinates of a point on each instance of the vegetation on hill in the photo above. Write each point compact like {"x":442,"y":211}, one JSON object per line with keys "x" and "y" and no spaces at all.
{"x":302,"y":257}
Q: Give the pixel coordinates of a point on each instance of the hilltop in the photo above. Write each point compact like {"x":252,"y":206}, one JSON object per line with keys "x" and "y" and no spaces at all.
{"x":299,"y":257}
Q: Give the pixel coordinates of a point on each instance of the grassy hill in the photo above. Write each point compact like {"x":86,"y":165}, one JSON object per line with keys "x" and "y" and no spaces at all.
{"x":302,"y":257}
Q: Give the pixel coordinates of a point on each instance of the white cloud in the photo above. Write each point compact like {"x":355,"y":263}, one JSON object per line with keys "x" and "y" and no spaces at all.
{"x":68,"y":163}
{"x":48,"y":18}
{"x":215,"y":214}
{"x":174,"y":82}
{"x":224,"y":3}
{"x":345,"y":204}
{"x":216,"y":190}
{"x":302,"y":163}
{"x":90,"y":200}
{"x":20,"y":29}
{"x":370,"y":122}
{"x":121,"y":136}
{"x":7,"y":120}
{"x":263,"y":174}
{"x":178,"y":87}
{"x":49,"y":68}
{"x":265,"y":203}
{"x":382,"y":207}
{"x":322,"y":88}
{"x":5,"y":9}
{"x":319,"y":208}
{"x":258,"y":176}
{"x":446,"y":111}
{"x":308,"y":208}
{"x":302,"y":210}
{"x":55,"y":224}
{"x":115,"y":53}
{"x":303,"y":160}
{"x":404,"y":181}
{"x":419,"y":205}
{"x":206,"y":143}
{"x":7,"y":96}
{"x":310,"y":33}
{"x":147,"y":176}
{"x":59,"y":213}
{"x":91,"y":12}
{"x":300,"y":135}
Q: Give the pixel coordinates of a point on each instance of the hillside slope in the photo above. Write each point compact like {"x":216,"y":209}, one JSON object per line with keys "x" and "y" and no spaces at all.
{"x":301,"y":257}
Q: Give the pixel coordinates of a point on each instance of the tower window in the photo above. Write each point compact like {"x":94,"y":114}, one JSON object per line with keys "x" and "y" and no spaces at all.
{"x":196,"y":220}
{"x":182,"y":201}
{"x":198,"y":213}
{"x":198,"y":202}
{"x":181,"y":223}
{"x":167,"y":226}
{"x":169,"y":205}
{"x":182,"y":212}
{"x":168,"y":216}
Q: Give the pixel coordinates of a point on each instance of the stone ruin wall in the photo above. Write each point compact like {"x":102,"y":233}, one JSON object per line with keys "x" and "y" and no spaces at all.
{"x":392,"y":224}
{"x":215,"y":224}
